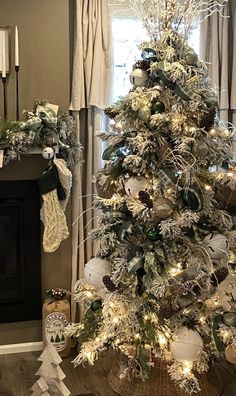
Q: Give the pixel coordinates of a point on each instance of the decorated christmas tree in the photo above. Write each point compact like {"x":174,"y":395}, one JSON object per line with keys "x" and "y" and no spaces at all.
{"x":166,"y":233}
{"x":51,"y":375}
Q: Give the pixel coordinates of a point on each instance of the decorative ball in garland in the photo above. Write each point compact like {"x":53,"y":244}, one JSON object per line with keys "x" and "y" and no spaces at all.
{"x":162,"y":208}
{"x":153,"y":234}
{"x":48,"y":153}
{"x":216,"y":245}
{"x":192,"y":198}
{"x":219,"y":276}
{"x":94,"y":271}
{"x":229,"y":319}
{"x":230,"y":353}
{"x":136,"y":184}
{"x":157,"y":107}
{"x":191,"y":58}
{"x":96,"y":305}
{"x":138,"y":77}
{"x":144,"y":113}
{"x":187,"y":345}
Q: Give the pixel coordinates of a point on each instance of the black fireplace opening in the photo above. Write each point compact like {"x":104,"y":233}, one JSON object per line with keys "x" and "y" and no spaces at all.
{"x":20,"y":261}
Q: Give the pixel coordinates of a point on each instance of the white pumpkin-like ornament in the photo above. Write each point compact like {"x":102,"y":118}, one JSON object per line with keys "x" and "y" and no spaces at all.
{"x":95,"y":270}
{"x":216,"y":245}
{"x":187,"y":345}
{"x":135,"y":184}
{"x":138,"y":77}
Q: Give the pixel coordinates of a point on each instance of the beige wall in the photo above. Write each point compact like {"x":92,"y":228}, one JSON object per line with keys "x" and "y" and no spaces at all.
{"x":44,"y":37}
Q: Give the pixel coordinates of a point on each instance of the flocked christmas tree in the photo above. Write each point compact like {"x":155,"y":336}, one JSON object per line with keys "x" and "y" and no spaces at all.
{"x":166,"y":240}
{"x":51,"y":375}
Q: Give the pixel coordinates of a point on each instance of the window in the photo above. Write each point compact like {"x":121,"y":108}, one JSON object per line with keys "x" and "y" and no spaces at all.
{"x":127,"y":33}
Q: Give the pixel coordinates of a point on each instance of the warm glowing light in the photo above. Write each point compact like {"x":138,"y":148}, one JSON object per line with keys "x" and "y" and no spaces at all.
{"x":97,"y":339}
{"x":89,"y":294}
{"x":207,"y":187}
{"x":115,"y":320}
{"x":202,"y":319}
{"x":137,"y":336}
{"x":187,"y":368}
{"x":112,"y":305}
{"x":230,"y":174}
{"x":162,"y":340}
{"x":145,"y":317}
{"x":212,"y":132}
{"x":147,"y":347}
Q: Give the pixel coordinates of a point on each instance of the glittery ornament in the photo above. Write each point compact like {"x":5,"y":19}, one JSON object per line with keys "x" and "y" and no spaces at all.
{"x":186,"y":346}
{"x":166,"y":311}
{"x":144,"y":197}
{"x":144,"y":113}
{"x":163,"y":208}
{"x":216,"y":245}
{"x":153,"y":234}
{"x":157,"y":107}
{"x":208,"y":119}
{"x":192,"y":198}
{"x":96,"y":305}
{"x":230,"y":353}
{"x":229,"y":319}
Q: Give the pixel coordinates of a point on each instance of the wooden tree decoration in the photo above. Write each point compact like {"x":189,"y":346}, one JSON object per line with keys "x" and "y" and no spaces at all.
{"x":51,"y":375}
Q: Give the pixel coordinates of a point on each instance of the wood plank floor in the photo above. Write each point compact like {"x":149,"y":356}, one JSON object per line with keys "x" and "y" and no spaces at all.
{"x":17,"y":375}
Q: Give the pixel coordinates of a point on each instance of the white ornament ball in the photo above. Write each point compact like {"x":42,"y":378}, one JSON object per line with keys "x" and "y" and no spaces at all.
{"x":187,"y":345}
{"x":217,"y":245}
{"x":95,"y":270}
{"x":138,"y":77}
{"x":136,"y":184}
{"x":48,"y":153}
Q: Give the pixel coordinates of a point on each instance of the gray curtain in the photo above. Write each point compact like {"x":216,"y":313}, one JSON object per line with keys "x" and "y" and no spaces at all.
{"x":91,"y":82}
{"x":218,"y":47}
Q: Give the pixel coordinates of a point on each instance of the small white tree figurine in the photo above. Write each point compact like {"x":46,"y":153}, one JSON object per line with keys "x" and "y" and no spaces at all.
{"x":51,"y":375}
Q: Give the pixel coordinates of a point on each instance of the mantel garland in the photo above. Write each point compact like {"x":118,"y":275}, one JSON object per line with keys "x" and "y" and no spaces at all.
{"x":44,"y":126}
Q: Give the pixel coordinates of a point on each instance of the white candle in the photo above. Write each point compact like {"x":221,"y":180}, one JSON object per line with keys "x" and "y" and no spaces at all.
{"x":3,"y":57}
{"x":16,"y":47}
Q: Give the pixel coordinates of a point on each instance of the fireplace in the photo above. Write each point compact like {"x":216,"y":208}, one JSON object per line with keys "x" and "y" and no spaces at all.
{"x":20,"y":264}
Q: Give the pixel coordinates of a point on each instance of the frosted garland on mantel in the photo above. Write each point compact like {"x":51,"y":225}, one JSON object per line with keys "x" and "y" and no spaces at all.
{"x":159,"y":14}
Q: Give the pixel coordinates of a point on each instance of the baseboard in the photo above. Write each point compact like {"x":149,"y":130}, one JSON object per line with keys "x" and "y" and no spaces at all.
{"x":19,"y":348}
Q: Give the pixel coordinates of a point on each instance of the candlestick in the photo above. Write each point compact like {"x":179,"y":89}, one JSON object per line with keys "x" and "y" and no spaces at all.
{"x":16,"y":47}
{"x":4,"y":79}
{"x":3,"y":58}
{"x":17,"y":92}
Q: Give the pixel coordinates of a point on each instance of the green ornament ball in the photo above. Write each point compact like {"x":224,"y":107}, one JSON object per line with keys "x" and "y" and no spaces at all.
{"x":96,"y":305}
{"x":230,"y":319}
{"x":153,"y":234}
{"x":191,"y":58}
{"x":157,"y":107}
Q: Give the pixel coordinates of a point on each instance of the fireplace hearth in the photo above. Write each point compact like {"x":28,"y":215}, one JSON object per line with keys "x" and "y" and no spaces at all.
{"x":20,"y":263}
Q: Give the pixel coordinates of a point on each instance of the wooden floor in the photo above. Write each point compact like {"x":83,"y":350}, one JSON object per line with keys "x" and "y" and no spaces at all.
{"x":17,"y":375}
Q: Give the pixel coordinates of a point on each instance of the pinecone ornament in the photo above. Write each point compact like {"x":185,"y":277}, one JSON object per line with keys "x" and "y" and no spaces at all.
{"x":144,"y":197}
{"x":219,"y":276}
{"x":142,"y":64}
{"x":109,"y":284}
{"x":166,"y":311}
{"x":109,"y":112}
{"x":208,"y":119}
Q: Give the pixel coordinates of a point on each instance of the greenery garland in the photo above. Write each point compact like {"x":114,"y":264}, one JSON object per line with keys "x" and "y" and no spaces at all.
{"x":41,"y":129}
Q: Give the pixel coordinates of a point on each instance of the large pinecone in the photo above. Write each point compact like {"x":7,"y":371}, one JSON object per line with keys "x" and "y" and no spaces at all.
{"x":208,"y":120}
{"x":219,"y":276}
{"x":166,"y":311}
{"x":109,"y":284}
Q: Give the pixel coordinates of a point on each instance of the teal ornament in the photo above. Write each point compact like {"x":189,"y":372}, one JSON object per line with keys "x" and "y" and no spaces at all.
{"x":110,"y":151}
{"x":117,"y":169}
{"x":192,"y":198}
{"x":191,"y":58}
{"x":96,"y":305}
{"x":229,"y":319}
{"x":157,"y":107}
{"x":122,"y":152}
{"x":135,"y":264}
{"x":149,"y":54}
{"x":153,"y":234}
{"x":144,"y":113}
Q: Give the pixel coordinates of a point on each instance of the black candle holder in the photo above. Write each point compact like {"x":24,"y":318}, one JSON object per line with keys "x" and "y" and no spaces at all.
{"x":17,"y":68}
{"x":4,"y":80}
